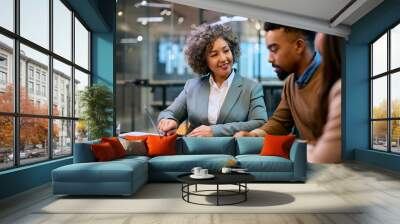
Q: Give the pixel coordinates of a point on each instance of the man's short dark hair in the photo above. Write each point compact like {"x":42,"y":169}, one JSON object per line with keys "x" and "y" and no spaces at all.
{"x":307,"y":35}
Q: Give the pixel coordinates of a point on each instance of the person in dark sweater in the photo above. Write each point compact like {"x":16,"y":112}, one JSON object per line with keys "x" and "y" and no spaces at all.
{"x":293,"y":55}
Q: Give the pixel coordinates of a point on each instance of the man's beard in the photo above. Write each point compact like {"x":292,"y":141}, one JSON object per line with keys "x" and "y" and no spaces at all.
{"x":282,"y":75}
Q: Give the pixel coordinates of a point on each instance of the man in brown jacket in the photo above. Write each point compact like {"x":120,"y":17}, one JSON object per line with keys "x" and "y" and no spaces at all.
{"x":292,"y":54}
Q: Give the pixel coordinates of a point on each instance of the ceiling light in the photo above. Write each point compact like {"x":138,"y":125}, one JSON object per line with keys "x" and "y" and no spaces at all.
{"x":180,"y":20}
{"x":151,"y":4}
{"x":165,"y":12}
{"x":155,"y":19}
{"x":128,"y":41}
{"x":131,"y":40}
{"x":239,"y":18}
{"x":226,"y":19}
{"x":120,"y":13}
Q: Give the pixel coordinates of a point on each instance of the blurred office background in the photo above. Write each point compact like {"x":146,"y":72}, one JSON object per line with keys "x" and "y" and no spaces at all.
{"x":151,"y":68}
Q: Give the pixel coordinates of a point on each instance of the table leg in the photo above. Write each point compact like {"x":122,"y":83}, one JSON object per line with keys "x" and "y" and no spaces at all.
{"x":245,"y":191}
{"x":182,"y":190}
{"x":217,"y":194}
{"x":188,"y":192}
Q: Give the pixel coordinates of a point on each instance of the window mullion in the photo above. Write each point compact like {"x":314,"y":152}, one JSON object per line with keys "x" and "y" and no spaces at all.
{"x":389,"y":106}
{"x":16,"y":84}
{"x":73,"y":82}
{"x":50,"y":81}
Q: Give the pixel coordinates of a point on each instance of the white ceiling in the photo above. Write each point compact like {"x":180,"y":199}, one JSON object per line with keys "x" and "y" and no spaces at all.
{"x":324,"y":16}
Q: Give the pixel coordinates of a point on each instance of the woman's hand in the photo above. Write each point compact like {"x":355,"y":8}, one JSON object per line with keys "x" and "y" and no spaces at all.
{"x":168,"y":126}
{"x":201,"y":131}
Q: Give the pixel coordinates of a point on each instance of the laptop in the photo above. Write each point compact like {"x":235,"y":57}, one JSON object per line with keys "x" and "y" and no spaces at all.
{"x":161,"y":133}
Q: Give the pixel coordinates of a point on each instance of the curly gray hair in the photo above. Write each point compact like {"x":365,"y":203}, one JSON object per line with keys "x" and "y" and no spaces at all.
{"x":200,"y":42}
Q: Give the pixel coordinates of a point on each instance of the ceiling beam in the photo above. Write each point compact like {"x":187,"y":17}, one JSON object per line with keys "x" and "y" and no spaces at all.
{"x":358,"y":12}
{"x":346,"y":12}
{"x":267,"y":14}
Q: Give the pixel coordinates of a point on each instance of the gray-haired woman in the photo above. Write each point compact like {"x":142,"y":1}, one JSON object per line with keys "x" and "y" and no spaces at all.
{"x":219,"y":102}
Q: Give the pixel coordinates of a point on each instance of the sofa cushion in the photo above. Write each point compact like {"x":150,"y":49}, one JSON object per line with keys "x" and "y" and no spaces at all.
{"x":185,"y":163}
{"x":103,"y":152}
{"x":206,"y":145}
{"x":161,"y":145}
{"x":83,"y":152}
{"x":257,"y":163}
{"x":135,"y":137}
{"x":134,"y":147}
{"x":277,"y":145}
{"x":131,"y":158}
{"x":112,"y":171}
{"x":116,"y":145}
{"x":249,"y":145}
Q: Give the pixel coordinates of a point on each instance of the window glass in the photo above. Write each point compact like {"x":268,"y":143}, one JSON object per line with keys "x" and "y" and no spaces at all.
{"x":7,"y":14}
{"x":81,"y":45}
{"x":6,"y":142}
{"x":34,"y":80}
{"x":379,"y":98}
{"x":81,"y":131}
{"x":62,"y":29}
{"x":62,"y":138}
{"x":379,"y":135}
{"x":379,"y":56}
{"x":33,"y":140}
{"x":395,"y":136}
{"x":6,"y":74}
{"x":395,"y":95}
{"x":81,"y":81}
{"x":62,"y":91}
{"x":395,"y":47}
{"x":31,"y":58}
{"x":35,"y":21}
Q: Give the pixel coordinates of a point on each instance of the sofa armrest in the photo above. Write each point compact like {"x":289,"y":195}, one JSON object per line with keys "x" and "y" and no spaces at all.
{"x":298,"y":155}
{"x":83,"y":152}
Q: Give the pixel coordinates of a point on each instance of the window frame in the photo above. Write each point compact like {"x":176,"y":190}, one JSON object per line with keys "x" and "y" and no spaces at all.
{"x":16,"y":114}
{"x":388,"y":74}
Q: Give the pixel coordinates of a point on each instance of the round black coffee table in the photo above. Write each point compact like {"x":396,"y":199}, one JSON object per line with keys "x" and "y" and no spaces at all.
{"x":238,"y":179}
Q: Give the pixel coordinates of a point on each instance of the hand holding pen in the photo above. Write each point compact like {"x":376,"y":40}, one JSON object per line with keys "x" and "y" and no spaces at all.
{"x":168,"y":126}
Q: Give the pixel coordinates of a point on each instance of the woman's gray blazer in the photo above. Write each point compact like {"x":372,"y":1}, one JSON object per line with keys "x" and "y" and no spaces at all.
{"x":243,"y":108}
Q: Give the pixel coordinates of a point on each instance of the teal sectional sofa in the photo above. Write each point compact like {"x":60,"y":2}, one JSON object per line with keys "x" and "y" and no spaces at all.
{"x":125,"y":176}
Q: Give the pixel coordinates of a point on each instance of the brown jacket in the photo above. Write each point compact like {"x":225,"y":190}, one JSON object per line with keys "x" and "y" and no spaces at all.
{"x":299,"y":107}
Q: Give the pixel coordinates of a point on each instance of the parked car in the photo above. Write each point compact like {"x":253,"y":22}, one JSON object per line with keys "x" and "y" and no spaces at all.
{"x":22,"y":155}
{"x":10,"y":157}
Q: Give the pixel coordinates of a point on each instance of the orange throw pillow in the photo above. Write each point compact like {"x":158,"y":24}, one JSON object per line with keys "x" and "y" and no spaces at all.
{"x":277,"y":145}
{"x":116,"y":145}
{"x":161,"y":145}
{"x":136,"y":138}
{"x":103,"y":152}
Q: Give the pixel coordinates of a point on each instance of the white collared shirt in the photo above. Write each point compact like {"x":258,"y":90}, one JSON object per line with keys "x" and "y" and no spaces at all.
{"x":217,"y":97}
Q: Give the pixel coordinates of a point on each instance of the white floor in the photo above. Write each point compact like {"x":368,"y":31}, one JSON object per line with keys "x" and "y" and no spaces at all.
{"x":378,"y":189}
